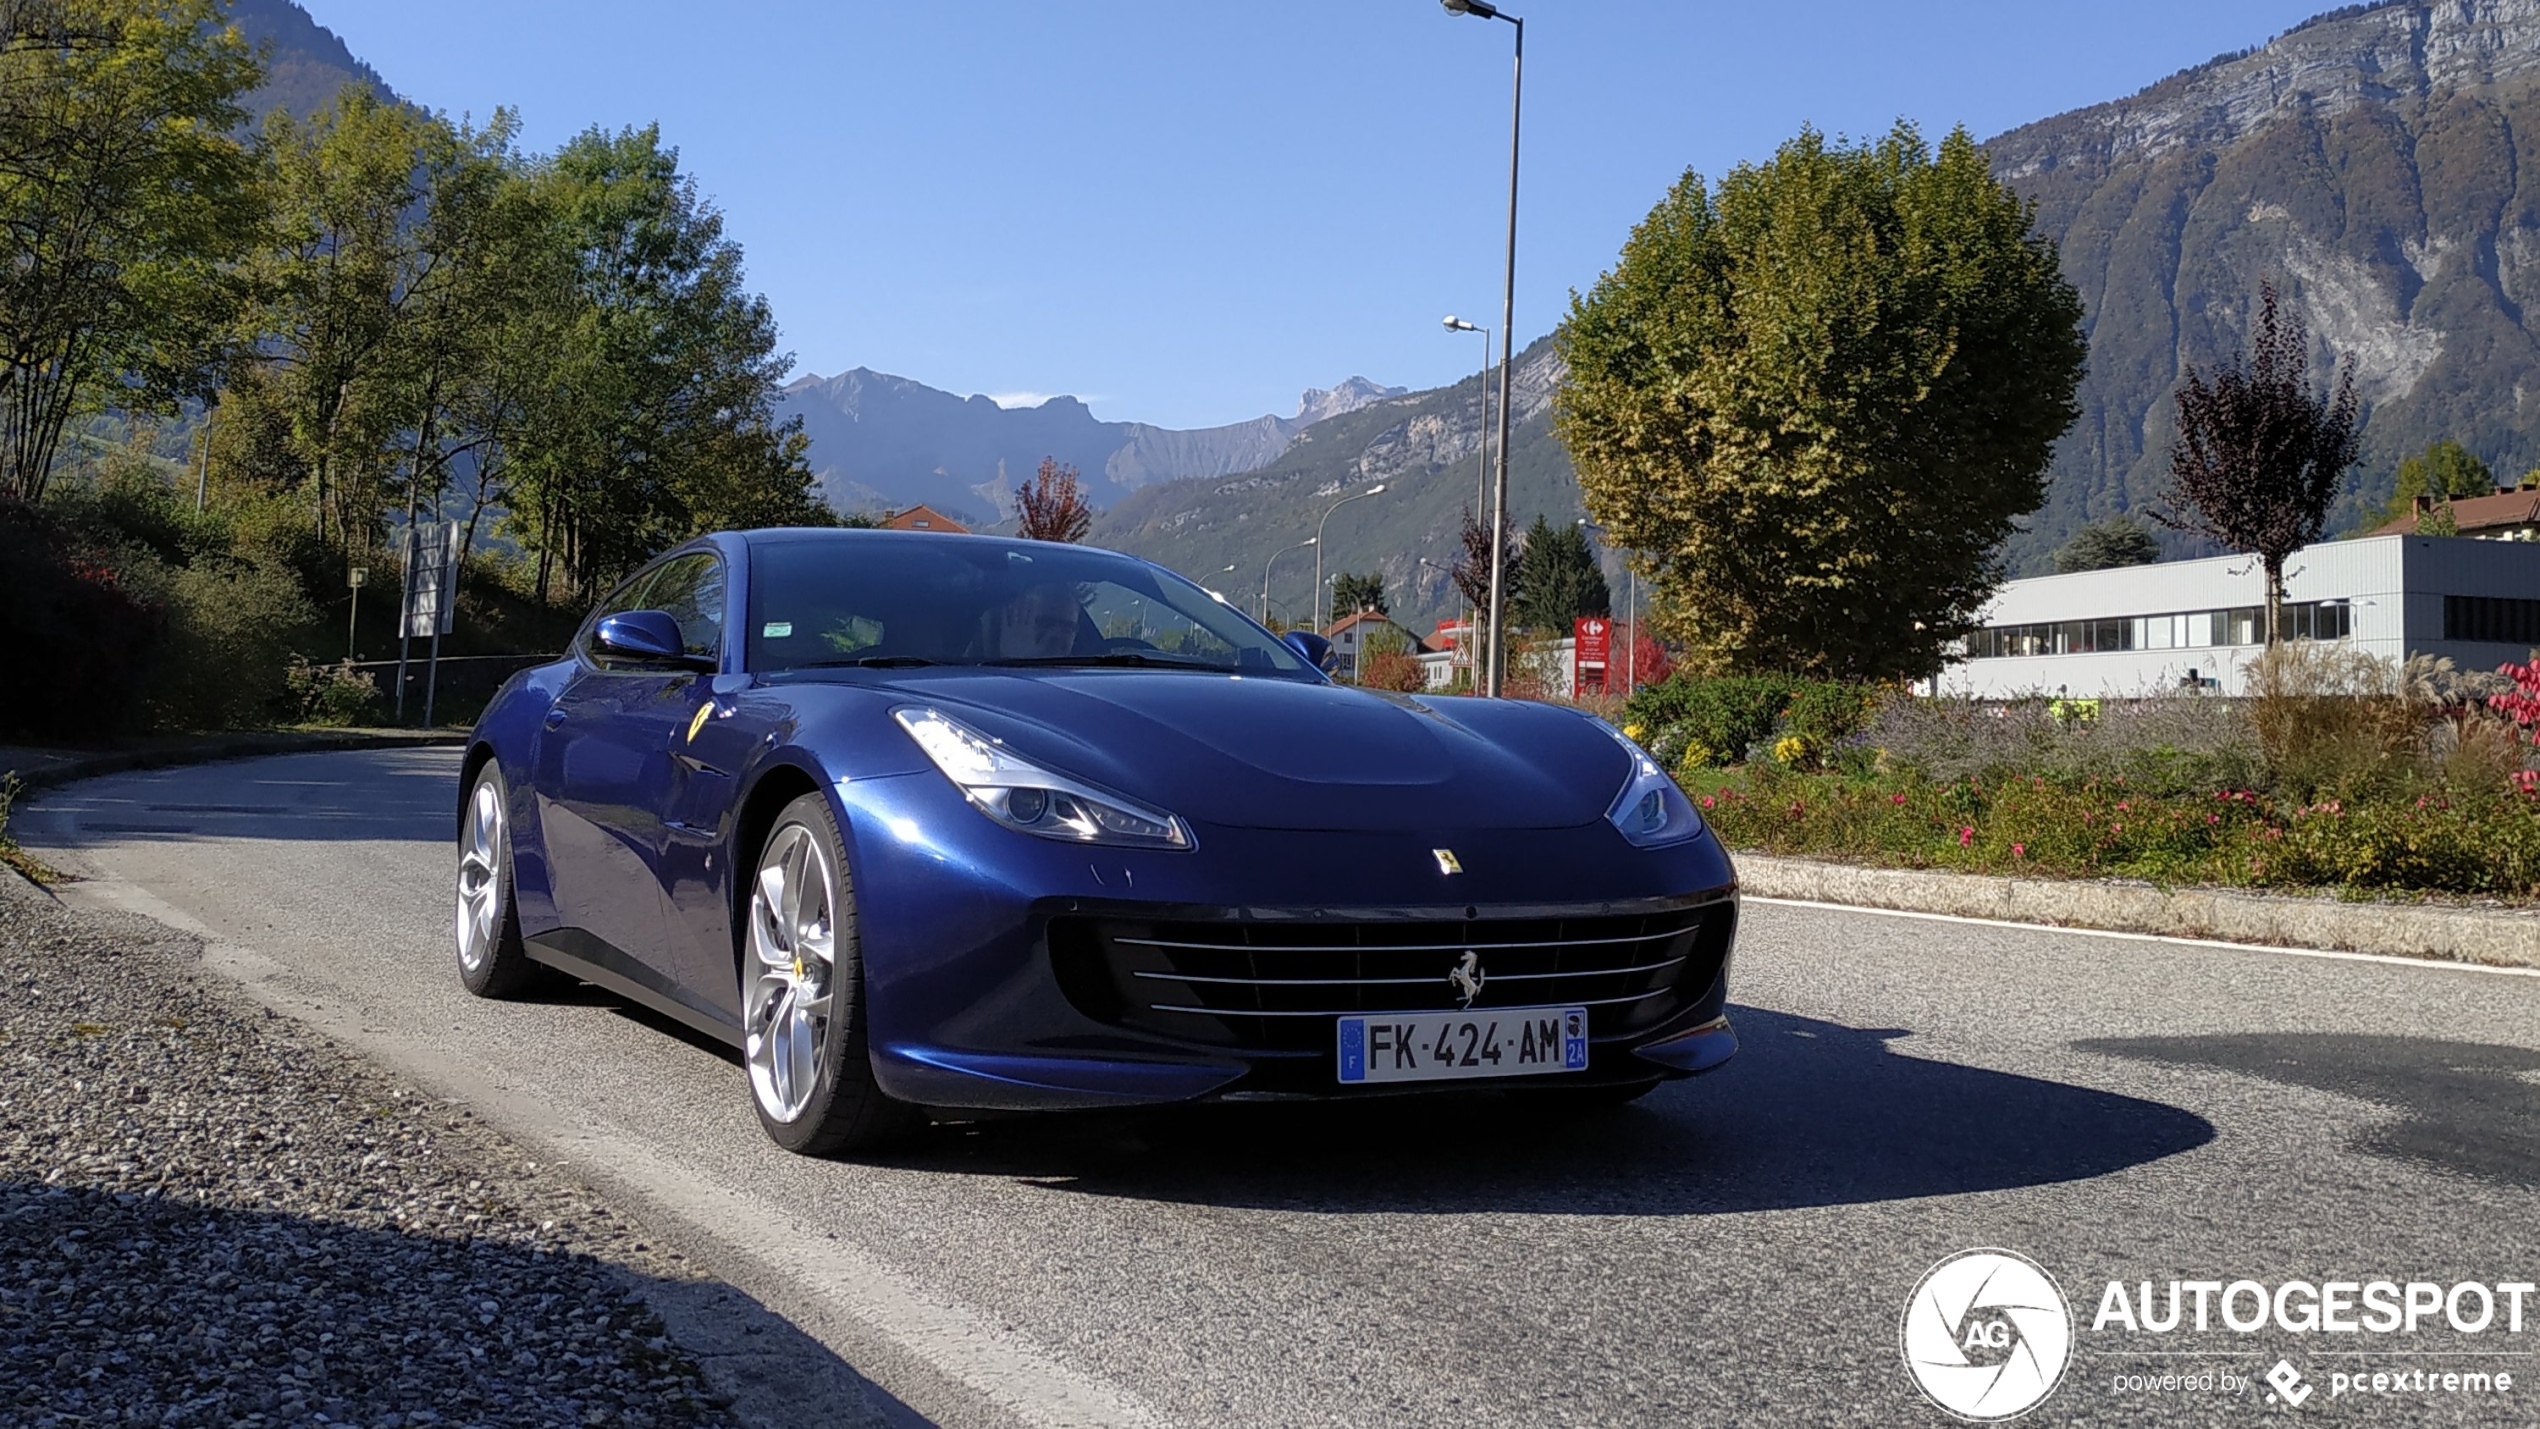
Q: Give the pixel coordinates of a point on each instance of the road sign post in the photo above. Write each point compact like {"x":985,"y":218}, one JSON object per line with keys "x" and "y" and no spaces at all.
{"x":431,"y":599}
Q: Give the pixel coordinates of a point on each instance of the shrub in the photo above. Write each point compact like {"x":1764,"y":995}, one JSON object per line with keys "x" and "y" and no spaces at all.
{"x":334,"y":695}
{"x":2172,"y":743}
{"x":2334,"y":720}
{"x":80,"y":635}
{"x":1397,"y":670}
{"x":232,"y":630}
{"x":1718,"y":720}
{"x":2478,"y":841}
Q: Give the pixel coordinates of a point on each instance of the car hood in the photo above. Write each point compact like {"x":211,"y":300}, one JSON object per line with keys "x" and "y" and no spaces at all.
{"x":1269,"y":753}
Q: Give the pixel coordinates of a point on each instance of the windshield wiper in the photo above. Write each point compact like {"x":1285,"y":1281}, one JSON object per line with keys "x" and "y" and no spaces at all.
{"x":1144,"y":658}
{"x":866,"y":662}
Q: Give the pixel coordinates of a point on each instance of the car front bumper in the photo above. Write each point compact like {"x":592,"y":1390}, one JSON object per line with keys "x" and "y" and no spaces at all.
{"x":980,"y":994}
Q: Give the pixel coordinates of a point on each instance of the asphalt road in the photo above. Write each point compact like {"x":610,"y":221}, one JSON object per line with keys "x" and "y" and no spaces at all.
{"x":1736,"y":1249}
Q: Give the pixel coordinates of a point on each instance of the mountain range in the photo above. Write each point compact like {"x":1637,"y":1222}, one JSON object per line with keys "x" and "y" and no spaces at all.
{"x":2368,"y":161}
{"x":879,"y":441}
{"x":2372,"y":163}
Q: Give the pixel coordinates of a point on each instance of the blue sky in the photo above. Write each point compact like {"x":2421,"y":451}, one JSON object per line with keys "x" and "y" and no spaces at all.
{"x":1186,"y":211}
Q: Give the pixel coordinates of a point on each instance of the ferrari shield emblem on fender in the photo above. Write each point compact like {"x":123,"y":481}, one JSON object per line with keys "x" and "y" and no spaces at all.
{"x":1446,"y":861}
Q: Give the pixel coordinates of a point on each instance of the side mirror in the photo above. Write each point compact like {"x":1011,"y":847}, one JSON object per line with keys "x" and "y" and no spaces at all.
{"x":1311,"y":648}
{"x":648,"y":635}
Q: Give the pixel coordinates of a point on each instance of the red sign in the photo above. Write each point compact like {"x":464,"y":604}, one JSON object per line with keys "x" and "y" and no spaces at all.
{"x":1595,"y":635}
{"x":1592,"y":637}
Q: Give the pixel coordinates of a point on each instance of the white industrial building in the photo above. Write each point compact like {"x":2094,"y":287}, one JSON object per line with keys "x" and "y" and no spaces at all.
{"x":2139,"y":629}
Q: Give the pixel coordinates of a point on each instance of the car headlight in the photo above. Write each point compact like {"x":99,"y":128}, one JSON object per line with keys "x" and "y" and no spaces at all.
{"x":1651,"y":811}
{"x":1026,"y":797}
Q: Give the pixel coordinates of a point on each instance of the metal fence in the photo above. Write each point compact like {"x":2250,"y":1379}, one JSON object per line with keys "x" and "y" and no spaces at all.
{"x":462,"y":686}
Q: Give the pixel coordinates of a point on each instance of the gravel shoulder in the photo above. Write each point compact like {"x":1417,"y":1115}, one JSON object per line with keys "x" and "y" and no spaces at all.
{"x":211,"y":1215}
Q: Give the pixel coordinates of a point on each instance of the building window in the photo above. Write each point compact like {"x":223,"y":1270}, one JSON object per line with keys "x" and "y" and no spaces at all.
{"x":2495,"y":620}
{"x":2197,"y":629}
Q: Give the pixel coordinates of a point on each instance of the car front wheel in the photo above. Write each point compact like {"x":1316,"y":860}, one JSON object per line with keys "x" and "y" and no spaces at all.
{"x":802,"y":996}
{"x":492,"y":960}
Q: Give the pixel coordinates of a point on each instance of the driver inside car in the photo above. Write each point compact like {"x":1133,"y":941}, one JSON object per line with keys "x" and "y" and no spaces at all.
{"x":1041,"y":622}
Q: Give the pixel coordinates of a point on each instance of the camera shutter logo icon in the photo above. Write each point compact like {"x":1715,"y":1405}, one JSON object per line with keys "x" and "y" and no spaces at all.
{"x":1987,"y":1335}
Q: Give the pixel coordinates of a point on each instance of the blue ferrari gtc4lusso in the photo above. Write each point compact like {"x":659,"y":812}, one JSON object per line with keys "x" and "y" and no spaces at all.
{"x":947,"y":821}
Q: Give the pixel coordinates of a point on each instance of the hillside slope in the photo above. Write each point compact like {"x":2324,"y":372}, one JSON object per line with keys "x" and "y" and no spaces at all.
{"x":1424,"y":447}
{"x":2376,"y":162}
{"x":2372,"y":161}
{"x":884,"y":441}
{"x":305,"y":63}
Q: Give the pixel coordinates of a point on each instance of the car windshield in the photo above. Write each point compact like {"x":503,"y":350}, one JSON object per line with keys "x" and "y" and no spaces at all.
{"x":885,"y":600}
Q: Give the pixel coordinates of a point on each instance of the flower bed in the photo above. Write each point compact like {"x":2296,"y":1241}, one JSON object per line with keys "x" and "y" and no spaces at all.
{"x":2341,"y":772}
{"x":2447,"y":842}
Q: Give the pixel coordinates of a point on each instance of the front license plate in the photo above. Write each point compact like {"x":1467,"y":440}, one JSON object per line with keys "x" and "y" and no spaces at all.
{"x":1431,"y":1046}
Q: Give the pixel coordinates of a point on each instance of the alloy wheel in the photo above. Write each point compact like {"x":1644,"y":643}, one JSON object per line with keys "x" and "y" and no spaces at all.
{"x":793,"y":963}
{"x":480,"y":892}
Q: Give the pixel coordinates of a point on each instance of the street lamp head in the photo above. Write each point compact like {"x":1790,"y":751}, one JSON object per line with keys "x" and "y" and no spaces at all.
{"x":1456,"y":324}
{"x":1482,"y":8}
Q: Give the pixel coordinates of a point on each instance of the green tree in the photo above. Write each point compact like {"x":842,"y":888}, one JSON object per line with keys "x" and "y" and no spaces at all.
{"x":339,"y":289}
{"x":656,"y":415}
{"x":1816,"y":398}
{"x":1559,"y":582}
{"x":2109,"y":542}
{"x":2445,"y":471}
{"x":123,"y":196}
{"x":1354,"y":593}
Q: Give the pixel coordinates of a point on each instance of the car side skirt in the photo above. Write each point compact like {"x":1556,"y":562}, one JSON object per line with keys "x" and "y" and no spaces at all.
{"x":600,"y":963}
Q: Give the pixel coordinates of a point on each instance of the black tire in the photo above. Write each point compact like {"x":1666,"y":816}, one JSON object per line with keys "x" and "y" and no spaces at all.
{"x":846,"y":1110}
{"x":500,"y":965}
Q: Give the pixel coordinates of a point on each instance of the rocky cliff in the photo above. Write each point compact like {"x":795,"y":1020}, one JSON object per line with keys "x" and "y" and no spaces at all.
{"x":2371,"y":162}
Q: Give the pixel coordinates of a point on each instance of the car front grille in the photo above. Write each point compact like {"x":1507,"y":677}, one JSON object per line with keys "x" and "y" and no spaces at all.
{"x":1274,"y":985}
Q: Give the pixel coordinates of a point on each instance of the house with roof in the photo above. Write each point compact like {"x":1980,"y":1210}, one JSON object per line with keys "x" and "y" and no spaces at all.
{"x":2509,"y":515}
{"x":924,"y":518}
{"x":1350,"y":635}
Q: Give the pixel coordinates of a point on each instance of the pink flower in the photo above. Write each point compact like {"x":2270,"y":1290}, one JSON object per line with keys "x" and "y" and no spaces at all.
{"x":2213,"y":818}
{"x":1706,"y":801}
{"x":1966,"y":835}
{"x":2019,"y":850}
{"x":1899,"y":798}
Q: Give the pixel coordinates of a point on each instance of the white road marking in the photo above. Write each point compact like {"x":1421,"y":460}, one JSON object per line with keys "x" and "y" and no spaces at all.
{"x":2329,"y":953}
{"x":878,"y":1303}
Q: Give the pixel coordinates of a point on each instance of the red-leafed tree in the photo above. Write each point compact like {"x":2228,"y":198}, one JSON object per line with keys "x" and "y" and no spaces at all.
{"x":1051,"y":506}
{"x":2260,"y":454}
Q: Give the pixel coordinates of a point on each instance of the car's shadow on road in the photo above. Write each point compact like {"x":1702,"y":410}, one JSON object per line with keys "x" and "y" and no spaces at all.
{"x":1810,"y":1113}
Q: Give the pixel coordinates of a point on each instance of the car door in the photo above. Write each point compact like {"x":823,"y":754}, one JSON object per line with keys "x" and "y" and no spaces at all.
{"x":606,"y":767}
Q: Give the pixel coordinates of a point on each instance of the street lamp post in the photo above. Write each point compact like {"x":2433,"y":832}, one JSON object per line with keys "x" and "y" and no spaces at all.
{"x":1481,"y":483}
{"x":1273,"y":561}
{"x":1317,"y":544}
{"x":1507,"y":340}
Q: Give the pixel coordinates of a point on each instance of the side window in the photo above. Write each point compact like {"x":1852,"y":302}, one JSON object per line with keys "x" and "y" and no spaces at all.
{"x":690,"y":589}
{"x":629,"y":596}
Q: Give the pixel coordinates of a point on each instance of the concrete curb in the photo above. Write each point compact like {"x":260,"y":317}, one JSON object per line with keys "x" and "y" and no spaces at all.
{"x":50,"y":769}
{"x":2494,"y":937}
